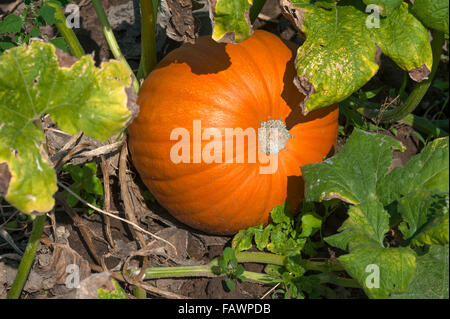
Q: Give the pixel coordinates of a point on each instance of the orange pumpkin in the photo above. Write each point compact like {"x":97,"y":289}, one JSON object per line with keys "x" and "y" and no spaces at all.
{"x":225,"y":87}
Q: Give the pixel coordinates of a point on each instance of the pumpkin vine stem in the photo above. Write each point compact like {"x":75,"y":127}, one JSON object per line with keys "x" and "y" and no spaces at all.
{"x":280,"y":260}
{"x":325,"y":267}
{"x":69,"y":36}
{"x":148,"y":42}
{"x":416,"y":95}
{"x":111,"y":39}
{"x":27,"y":258}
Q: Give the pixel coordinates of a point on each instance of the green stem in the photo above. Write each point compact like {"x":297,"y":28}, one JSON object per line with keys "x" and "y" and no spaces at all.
{"x":69,"y":36}
{"x":273,"y":259}
{"x":242,"y":257}
{"x":323,"y":266}
{"x":148,"y":42}
{"x":180,"y":271}
{"x":425,"y":126}
{"x":27,"y":258}
{"x":111,"y":39}
{"x":258,"y":277}
{"x":197,"y":271}
{"x":256,"y":9}
{"x":332,"y":278}
{"x":261,"y":258}
{"x":416,"y":95}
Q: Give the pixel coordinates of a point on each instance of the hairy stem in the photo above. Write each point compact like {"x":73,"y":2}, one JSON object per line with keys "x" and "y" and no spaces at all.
{"x":416,"y":95}
{"x":261,"y":258}
{"x":27,"y":258}
{"x":332,"y":278}
{"x":148,"y":42}
{"x":111,"y":39}
{"x":69,"y":36}
{"x":197,"y":271}
{"x":247,"y":257}
{"x":268,"y":258}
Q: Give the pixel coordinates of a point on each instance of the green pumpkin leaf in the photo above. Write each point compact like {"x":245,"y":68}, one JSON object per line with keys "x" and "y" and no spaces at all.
{"x":81,"y":97}
{"x":385,"y":7}
{"x":276,"y":233}
{"x":417,"y":193}
{"x":48,"y":14}
{"x":229,"y":257}
{"x":425,"y":217}
{"x":280,"y":214}
{"x":6,"y":43}
{"x":425,"y":171}
{"x":432,"y":13}
{"x":262,"y":237}
{"x":231,"y":21}
{"x":60,"y":43}
{"x":71,"y":199}
{"x":366,"y":224}
{"x":294,"y":265}
{"x":230,"y":284}
{"x":283,"y":243}
{"x":404,"y":39}
{"x":310,"y":223}
{"x":91,"y":183}
{"x":359,"y":171}
{"x":431,"y":276}
{"x":338,"y":56}
{"x":353,"y":174}
{"x":11,"y":24}
{"x":362,"y":234}
{"x":243,"y":240}
{"x":381,"y":271}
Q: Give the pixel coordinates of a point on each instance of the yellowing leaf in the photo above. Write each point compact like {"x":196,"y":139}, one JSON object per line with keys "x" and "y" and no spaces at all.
{"x":338,"y":56}
{"x":79,"y":98}
{"x":231,"y":20}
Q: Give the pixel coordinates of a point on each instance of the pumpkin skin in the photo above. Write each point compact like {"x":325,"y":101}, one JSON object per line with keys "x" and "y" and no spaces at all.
{"x":226,"y":86}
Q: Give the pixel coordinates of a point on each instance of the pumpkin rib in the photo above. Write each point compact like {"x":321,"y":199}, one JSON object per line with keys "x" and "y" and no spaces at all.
{"x":206,"y":214}
{"x":227,"y":83}
{"x":210,"y":100}
{"x":298,"y":153}
{"x":203,"y":101}
{"x":289,"y":61}
{"x":288,"y":155}
{"x":266,"y":90}
{"x":178,"y":200}
{"x":212,"y":208}
{"x":253,"y":106}
{"x":273,"y":66}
